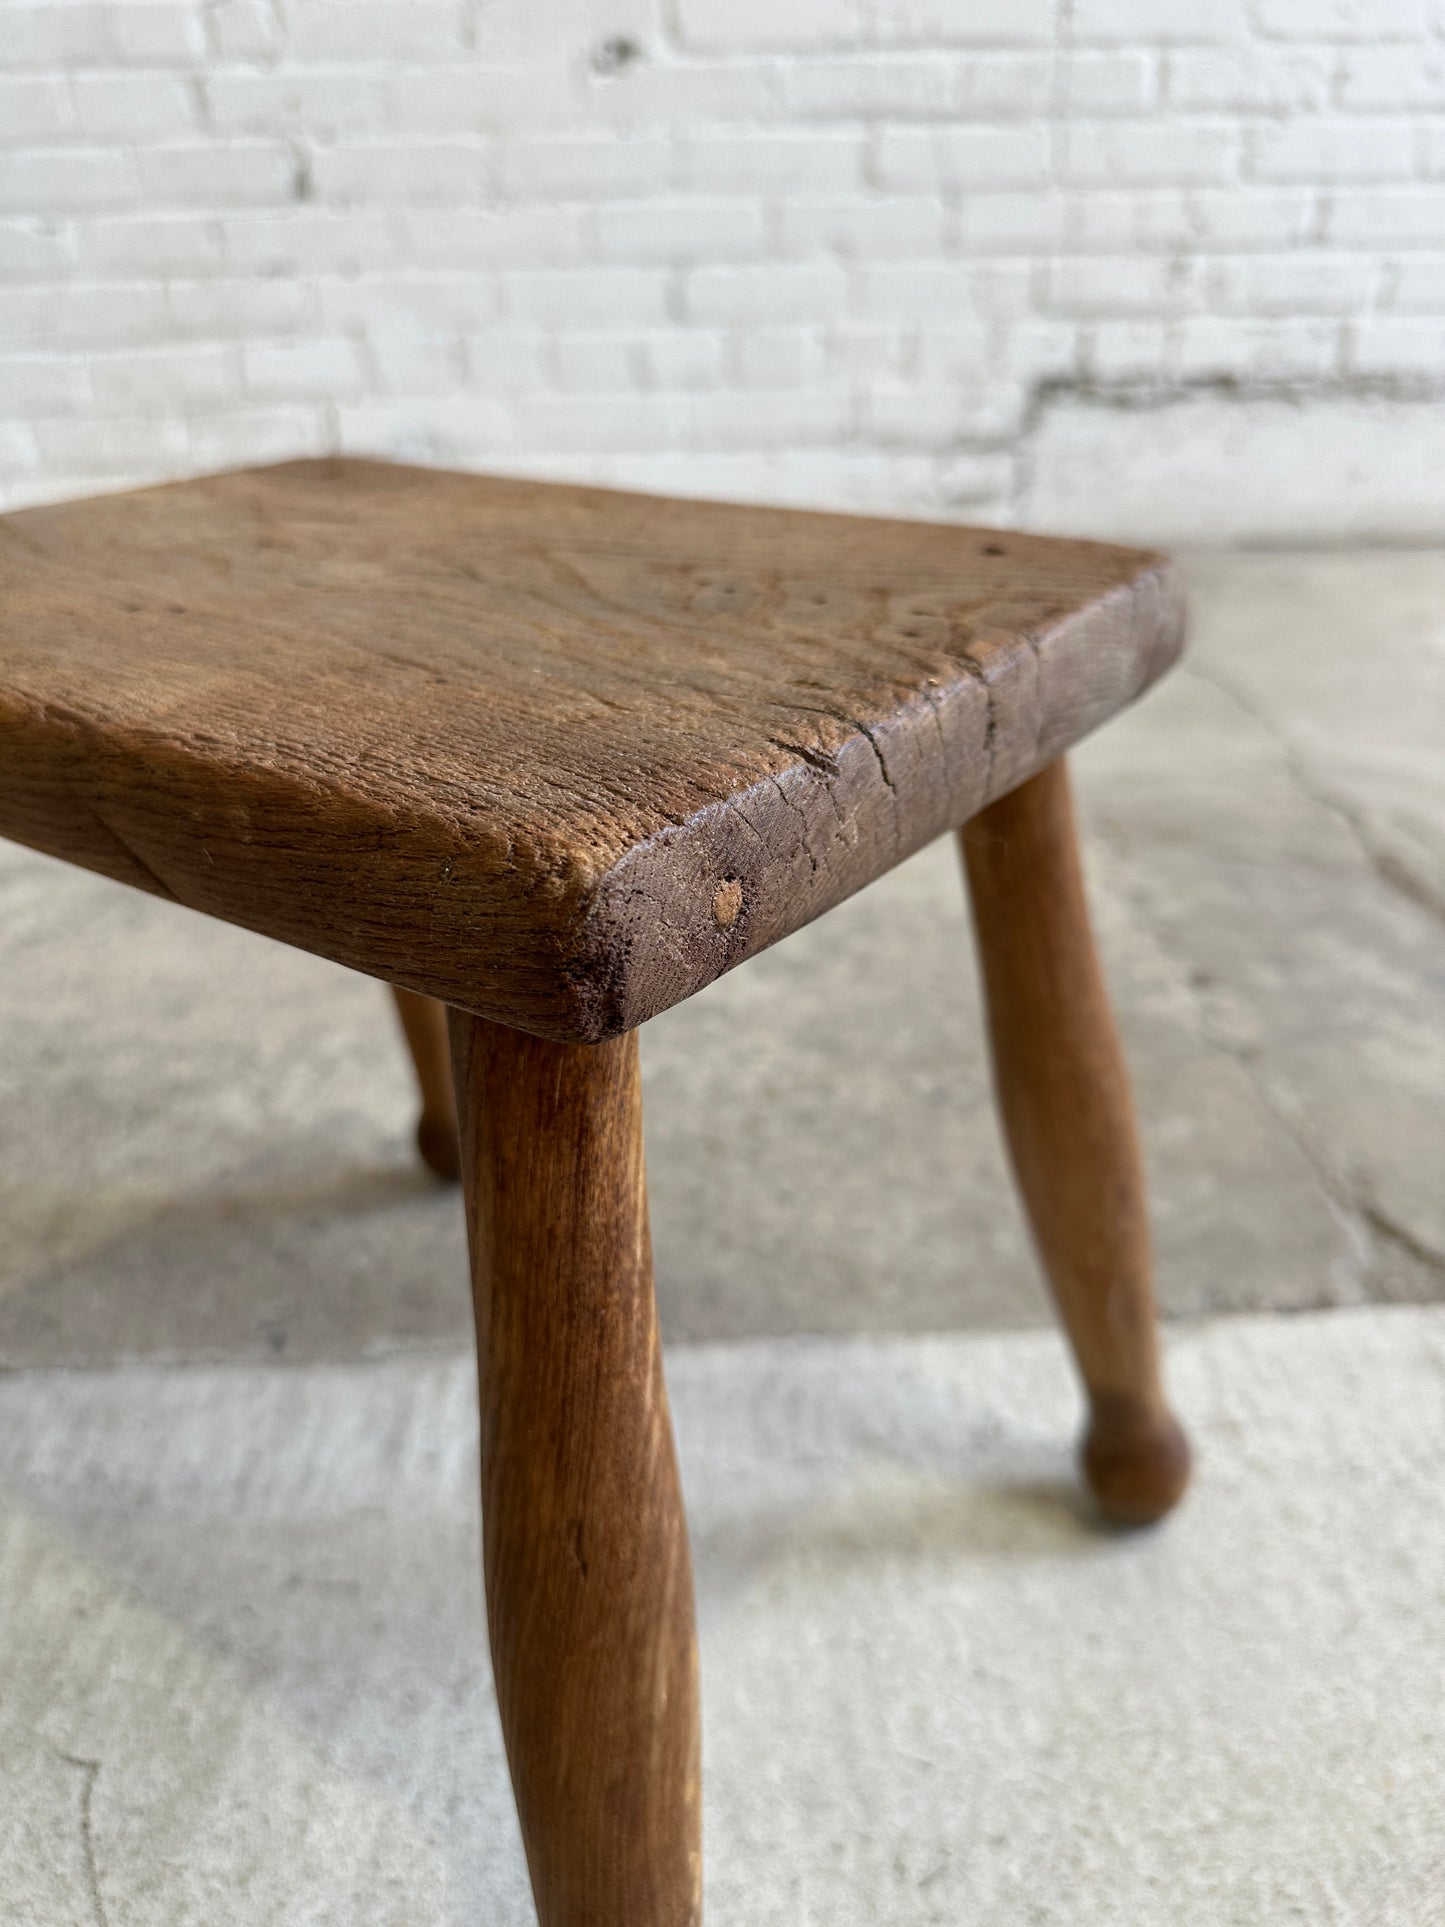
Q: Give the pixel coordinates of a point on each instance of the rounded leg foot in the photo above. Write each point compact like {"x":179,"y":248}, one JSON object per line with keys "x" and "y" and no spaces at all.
{"x":1136,"y":1459}
{"x":436,"y":1139}
{"x":424,"y":1024}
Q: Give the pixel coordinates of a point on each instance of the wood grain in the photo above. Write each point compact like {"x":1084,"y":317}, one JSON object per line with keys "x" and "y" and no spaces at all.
{"x":588,"y":1576}
{"x":424,"y":1025}
{"x":559,"y":756}
{"x":1063,"y":1091}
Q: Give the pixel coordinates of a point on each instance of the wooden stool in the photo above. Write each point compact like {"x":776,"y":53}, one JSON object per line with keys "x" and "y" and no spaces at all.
{"x":557,"y":758}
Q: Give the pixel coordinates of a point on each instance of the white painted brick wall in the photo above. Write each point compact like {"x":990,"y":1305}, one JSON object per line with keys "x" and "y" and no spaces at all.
{"x":1072,"y":260}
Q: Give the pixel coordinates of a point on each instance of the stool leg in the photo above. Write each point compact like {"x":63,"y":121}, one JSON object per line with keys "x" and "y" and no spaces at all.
{"x":1068,"y":1116}
{"x":588,"y":1574}
{"x":424,"y":1022}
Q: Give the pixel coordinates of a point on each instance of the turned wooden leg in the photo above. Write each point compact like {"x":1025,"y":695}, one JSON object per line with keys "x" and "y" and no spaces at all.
{"x":588,"y":1575}
{"x":1068,"y":1116}
{"x":424,"y":1022}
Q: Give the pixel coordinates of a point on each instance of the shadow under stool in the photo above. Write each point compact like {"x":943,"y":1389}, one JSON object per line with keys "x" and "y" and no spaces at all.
{"x":555,"y":758}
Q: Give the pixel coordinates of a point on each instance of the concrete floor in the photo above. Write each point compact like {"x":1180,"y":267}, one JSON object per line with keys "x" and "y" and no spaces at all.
{"x":205,"y":1139}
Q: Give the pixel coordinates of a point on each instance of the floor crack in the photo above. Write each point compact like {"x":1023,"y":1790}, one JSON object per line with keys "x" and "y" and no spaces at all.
{"x":1350,"y":1213}
{"x":91,"y":1770}
{"x":1394,"y":874}
{"x":1384,"y":1226}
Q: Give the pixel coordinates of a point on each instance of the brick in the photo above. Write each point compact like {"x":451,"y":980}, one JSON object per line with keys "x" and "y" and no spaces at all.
{"x":1149,"y":153}
{"x":19,"y":447}
{"x":52,"y":36}
{"x":745,"y":25}
{"x":623,"y":295}
{"x":34,"y":108}
{"x":599,"y":363}
{"x":1391,"y":78}
{"x":233,"y":174}
{"x":983,"y":484}
{"x":542,"y":234}
{"x":1213,"y":348}
{"x":1098,"y":222}
{"x":601,"y":422}
{"x":328,"y":104}
{"x":1006,"y":86}
{"x":731,"y":419}
{"x":882,"y":225}
{"x":1432,"y":150}
{"x":679,"y":92}
{"x":458,"y":430}
{"x":689,"y":358}
{"x":968,"y":158}
{"x":1125,"y":352}
{"x":413,"y":361}
{"x":979,"y":23}
{"x":770,"y":293}
{"x":155,"y":35}
{"x":1041,"y":351}
{"x":178,"y":375}
{"x":230,"y":310}
{"x":70,"y":34}
{"x":1369,"y":20}
{"x":910,"y":290}
{"x":1012,"y":223}
{"x":395,"y":30}
{"x":307,"y":240}
{"x":508,"y":359}
{"x":165,"y":244}
{"x":1394,"y":346}
{"x":1108,"y":83}
{"x":401,"y":173}
{"x":451,"y":303}
{"x":1217,"y":221}
{"x":133,"y":106}
{"x":245,"y":29}
{"x":1249,"y":79}
{"x":1418,"y":286}
{"x":1333,"y":149}
{"x":686,"y":232}
{"x":741,"y":161}
{"x":951,"y":354}
{"x":1403,"y":217}
{"x":36,"y":250}
{"x":870,"y":85}
{"x":1167,"y":22}
{"x":470,"y":97}
{"x":84,"y":315}
{"x":862,"y":351}
{"x":137,"y":447}
{"x":294,"y":370}
{"x":1127,"y":286}
{"x":786,"y":358}
{"x":586,"y":166}
{"x":242,"y":435}
{"x":1319,"y":283}
{"x":438,"y":428}
{"x":42,"y":385}
{"x":62,"y":180}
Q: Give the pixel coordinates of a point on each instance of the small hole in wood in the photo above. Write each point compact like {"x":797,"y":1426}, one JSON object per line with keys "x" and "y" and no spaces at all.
{"x":727,"y":903}
{"x":992,"y":548}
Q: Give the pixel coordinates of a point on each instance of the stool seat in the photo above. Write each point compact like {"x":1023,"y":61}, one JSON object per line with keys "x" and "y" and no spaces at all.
{"x":558,"y":756}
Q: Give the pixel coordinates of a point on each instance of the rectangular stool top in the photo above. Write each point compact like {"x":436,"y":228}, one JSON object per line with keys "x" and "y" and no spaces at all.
{"x":560,"y":756}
